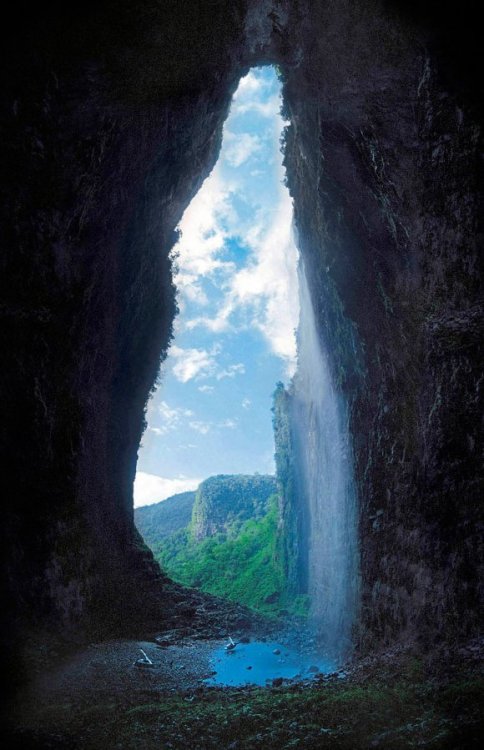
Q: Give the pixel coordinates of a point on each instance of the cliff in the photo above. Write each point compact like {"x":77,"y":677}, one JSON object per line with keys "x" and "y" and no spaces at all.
{"x":225,"y":500}
{"x":293,"y":520}
{"x":382,"y":161}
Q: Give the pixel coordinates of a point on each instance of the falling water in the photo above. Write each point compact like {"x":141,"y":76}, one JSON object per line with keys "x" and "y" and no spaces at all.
{"x":327,"y":489}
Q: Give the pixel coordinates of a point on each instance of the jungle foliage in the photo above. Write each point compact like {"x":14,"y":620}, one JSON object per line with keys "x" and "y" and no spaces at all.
{"x":241,"y":563}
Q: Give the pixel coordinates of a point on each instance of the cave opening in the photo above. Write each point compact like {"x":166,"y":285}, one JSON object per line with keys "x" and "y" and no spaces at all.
{"x":246,"y":391}
{"x":209,"y":445}
{"x":112,"y":118}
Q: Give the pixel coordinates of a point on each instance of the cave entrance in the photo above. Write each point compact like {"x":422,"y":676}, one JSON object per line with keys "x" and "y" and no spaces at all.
{"x":216,"y":517}
{"x":210,"y":421}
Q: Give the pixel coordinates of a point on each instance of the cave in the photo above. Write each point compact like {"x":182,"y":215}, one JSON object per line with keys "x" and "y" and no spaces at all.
{"x":112,"y":119}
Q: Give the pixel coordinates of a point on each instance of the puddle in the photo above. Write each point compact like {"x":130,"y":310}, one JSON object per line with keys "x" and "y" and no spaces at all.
{"x":257,"y":663}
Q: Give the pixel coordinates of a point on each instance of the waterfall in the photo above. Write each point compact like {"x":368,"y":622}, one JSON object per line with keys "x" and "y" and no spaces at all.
{"x":327,"y":496}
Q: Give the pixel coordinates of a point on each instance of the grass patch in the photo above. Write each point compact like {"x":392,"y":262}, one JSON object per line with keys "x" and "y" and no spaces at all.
{"x":333,"y":715}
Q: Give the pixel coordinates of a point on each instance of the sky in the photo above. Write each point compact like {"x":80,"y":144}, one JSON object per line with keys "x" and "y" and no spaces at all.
{"x":234,"y":337}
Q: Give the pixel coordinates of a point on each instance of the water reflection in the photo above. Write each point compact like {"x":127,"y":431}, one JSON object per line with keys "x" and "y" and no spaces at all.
{"x":258,"y":663}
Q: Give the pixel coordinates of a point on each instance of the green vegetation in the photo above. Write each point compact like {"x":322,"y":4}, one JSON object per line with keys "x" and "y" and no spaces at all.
{"x":160,"y":520}
{"x":384,"y":713}
{"x":225,"y":501}
{"x":239,"y":536}
{"x":377,"y":715}
{"x":225,"y":539}
{"x":240,"y":563}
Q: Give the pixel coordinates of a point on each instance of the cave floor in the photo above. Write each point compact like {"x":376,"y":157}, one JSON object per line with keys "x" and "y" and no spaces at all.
{"x":99,"y":698}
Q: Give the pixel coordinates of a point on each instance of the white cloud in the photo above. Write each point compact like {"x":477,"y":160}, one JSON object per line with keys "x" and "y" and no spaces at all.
{"x":229,"y":424}
{"x":192,"y":363}
{"x":202,"y":427}
{"x":171,"y":418}
{"x":219,"y":324}
{"x":262,"y":294}
{"x":269,"y":284}
{"x":268,"y":109}
{"x":272,"y":281}
{"x":231,"y":371}
{"x":251,"y":95}
{"x":240,"y":147}
{"x":192,"y":291}
{"x":246,"y":403}
{"x":248,"y":86}
{"x":150,"y":488}
{"x":206,"y":388}
{"x":203,"y":231}
{"x":266,"y":288}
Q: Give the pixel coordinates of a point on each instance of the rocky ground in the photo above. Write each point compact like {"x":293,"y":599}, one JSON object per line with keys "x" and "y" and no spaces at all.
{"x":194,"y":613}
{"x":99,"y":697}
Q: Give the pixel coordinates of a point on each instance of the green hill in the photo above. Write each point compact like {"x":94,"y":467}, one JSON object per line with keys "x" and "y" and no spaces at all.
{"x":224,"y":540}
{"x":160,"y":520}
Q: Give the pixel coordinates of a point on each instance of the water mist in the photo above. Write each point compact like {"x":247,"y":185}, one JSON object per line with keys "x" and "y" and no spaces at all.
{"x":327,"y":496}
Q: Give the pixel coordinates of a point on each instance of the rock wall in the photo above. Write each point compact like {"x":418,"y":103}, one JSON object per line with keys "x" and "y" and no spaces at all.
{"x":293,"y":531}
{"x":383,"y":164}
{"x":111,"y":119}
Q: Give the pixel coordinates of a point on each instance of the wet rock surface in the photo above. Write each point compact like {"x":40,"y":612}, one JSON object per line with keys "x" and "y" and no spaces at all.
{"x":382,"y":163}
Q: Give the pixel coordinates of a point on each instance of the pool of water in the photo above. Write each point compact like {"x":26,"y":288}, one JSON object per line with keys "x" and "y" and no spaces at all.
{"x":260,"y":662}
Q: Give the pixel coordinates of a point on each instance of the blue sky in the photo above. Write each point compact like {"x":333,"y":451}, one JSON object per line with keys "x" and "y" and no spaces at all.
{"x":237,"y":293}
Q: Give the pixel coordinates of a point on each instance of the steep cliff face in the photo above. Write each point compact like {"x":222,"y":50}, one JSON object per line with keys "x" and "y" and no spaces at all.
{"x":112,"y":119}
{"x":225,"y":499}
{"x":293,"y":521}
{"x":383,"y":165}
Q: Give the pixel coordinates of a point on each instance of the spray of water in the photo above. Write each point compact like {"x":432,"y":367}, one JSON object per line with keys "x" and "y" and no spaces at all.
{"x":327,"y":490}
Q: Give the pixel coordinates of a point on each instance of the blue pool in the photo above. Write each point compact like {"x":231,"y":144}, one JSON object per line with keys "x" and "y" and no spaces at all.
{"x":259,"y":662}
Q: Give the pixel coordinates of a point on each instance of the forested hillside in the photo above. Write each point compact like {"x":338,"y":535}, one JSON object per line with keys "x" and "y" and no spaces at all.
{"x":228,"y":546}
{"x":154,"y":522}
{"x":224,"y":500}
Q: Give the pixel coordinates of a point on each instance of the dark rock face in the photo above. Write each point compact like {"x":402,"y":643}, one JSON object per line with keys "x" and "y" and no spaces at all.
{"x":112,"y":118}
{"x":102,"y":159}
{"x":383,"y":165}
